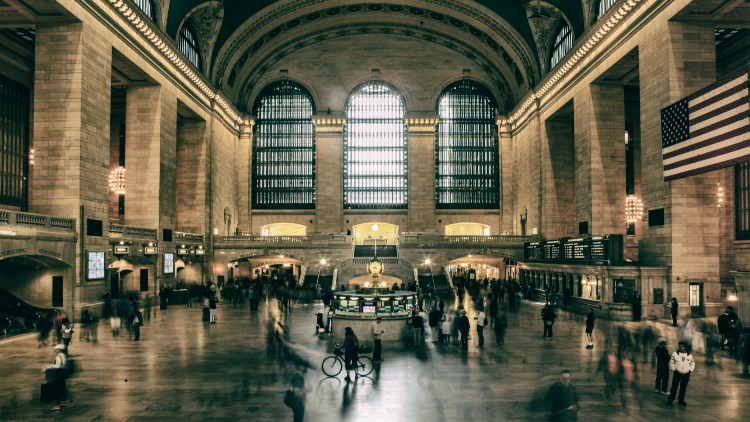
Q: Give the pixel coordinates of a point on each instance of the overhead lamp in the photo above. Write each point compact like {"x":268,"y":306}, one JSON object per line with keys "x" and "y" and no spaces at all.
{"x":117,"y":180}
{"x":367,"y":284}
{"x":374,"y":227}
{"x":383,"y":284}
{"x":427,"y":261}
{"x":633,"y":209}
{"x":322,"y":262}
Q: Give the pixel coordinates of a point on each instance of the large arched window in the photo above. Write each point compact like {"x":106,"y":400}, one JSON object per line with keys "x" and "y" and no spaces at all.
{"x":375,"y":148}
{"x":603,"y":7}
{"x":563,"y":44}
{"x":284,"y":148}
{"x":467,"y":167}
{"x":188,"y":44}
{"x":147,"y":7}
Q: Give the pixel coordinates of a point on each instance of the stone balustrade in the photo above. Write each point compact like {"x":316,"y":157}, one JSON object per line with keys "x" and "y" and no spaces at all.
{"x":281,"y":241}
{"x":118,"y":230}
{"x":188,"y":237}
{"x":436,"y":238}
{"x":39,"y":221}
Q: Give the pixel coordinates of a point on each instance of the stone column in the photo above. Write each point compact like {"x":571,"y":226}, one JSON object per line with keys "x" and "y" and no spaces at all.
{"x":150,"y":150}
{"x":421,"y":171}
{"x":599,"y":125}
{"x":507,"y":168}
{"x":678,"y":59}
{"x":244,"y":170}
{"x":329,"y":173}
{"x":192,"y":177}
{"x":72,"y":102}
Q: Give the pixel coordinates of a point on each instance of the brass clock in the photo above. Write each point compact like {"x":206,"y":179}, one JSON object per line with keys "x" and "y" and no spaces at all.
{"x":375,"y":267}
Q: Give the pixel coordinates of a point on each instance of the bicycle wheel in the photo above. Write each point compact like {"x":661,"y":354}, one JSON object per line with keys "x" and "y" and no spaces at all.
{"x":365,"y":366}
{"x":332,"y":366}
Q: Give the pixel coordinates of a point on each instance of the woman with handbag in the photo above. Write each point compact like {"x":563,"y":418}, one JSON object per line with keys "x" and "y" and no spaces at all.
{"x":351,"y":349}
{"x":548,"y":316}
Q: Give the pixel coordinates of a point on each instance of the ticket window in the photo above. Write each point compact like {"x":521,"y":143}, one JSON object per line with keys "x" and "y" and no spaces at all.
{"x":354,"y":306}
{"x":343,"y":305}
{"x":410,"y":305}
{"x":384,"y":306}
{"x":397,"y":306}
{"x":368,"y":308}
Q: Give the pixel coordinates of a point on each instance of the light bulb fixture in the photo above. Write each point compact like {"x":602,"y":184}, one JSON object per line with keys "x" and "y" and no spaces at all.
{"x":31,"y":156}
{"x":383,"y":284}
{"x":633,"y":209}
{"x":427,"y":261}
{"x":367,"y":284}
{"x":322,"y":262}
{"x":117,"y":180}
{"x":720,"y":195}
{"x":374,"y":227}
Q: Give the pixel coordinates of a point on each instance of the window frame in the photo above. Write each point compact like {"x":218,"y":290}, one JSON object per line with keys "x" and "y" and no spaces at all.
{"x":602,"y":7}
{"x":559,"y":42}
{"x":387,"y":196}
{"x":262,"y":197}
{"x":188,"y":39}
{"x":449,"y":144}
{"x":15,"y":143}
{"x":742,"y":201}
{"x":147,"y":7}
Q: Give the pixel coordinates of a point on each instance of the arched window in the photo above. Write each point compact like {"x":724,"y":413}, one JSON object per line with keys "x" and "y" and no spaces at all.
{"x":147,"y":7}
{"x":467,"y":167}
{"x":604,"y":6}
{"x":563,"y":44}
{"x":188,"y":44}
{"x":284,"y":148}
{"x":375,"y":148}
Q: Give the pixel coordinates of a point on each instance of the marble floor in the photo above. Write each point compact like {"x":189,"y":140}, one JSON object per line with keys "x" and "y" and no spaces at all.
{"x":187,"y":370}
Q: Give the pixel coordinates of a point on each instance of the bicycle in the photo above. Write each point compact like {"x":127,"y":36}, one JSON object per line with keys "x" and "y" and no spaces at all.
{"x":332,"y":365}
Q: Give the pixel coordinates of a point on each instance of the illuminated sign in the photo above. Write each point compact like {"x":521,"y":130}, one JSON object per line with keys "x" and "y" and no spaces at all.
{"x":183,"y":251}
{"x":200,"y":251}
{"x":150,"y":250}
{"x":122,"y":250}
{"x":96,"y":265}
{"x":168,"y":263}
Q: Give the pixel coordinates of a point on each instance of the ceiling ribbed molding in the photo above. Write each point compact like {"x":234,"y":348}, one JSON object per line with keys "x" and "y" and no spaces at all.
{"x":495,"y":32}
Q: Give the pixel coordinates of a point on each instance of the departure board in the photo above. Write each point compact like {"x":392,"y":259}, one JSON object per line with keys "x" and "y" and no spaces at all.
{"x":581,"y":251}
{"x":598,"y":248}
{"x":552,"y":250}
{"x":534,"y":251}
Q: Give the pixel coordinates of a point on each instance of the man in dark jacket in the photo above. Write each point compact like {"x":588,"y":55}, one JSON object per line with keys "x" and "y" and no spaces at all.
{"x":636,"y":307}
{"x":212,"y":306}
{"x":662,"y":367}
{"x":137,"y":323}
{"x":417,"y":325}
{"x":434,"y":322}
{"x":563,"y":399}
{"x":722,"y":323}
{"x":463,"y":327}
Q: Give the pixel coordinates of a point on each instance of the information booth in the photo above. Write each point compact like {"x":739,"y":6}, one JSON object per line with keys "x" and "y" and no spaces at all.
{"x":357,"y":310}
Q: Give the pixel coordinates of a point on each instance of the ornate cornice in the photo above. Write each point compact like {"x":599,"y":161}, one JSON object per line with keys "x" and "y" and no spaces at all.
{"x":421,"y":123}
{"x":329,"y":123}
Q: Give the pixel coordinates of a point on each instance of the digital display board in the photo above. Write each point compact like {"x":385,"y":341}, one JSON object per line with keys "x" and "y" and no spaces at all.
{"x":368,"y":308}
{"x":552,"y":250}
{"x":96,"y":265}
{"x":598,"y":249}
{"x":168,"y":263}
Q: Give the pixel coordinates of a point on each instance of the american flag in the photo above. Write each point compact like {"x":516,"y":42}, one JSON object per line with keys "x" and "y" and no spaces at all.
{"x":708,"y":130}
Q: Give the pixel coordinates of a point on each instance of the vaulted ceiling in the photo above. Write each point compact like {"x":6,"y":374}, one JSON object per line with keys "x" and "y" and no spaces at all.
{"x":508,"y":39}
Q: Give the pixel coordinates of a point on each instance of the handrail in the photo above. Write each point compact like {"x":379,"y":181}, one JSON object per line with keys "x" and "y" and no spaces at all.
{"x":420,"y":238}
{"x":129,"y":231}
{"x":190,"y":237}
{"x":18,"y":218}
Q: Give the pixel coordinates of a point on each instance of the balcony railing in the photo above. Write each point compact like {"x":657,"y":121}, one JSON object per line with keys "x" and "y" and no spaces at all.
{"x":188,"y":237}
{"x":315,"y":239}
{"x":434,"y":238}
{"x":25,"y":219}
{"x":117,"y":230}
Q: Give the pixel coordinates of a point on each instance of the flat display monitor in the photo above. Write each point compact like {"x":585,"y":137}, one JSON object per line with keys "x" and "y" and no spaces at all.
{"x":95,"y":265}
{"x":168,"y":263}
{"x":369,"y":308}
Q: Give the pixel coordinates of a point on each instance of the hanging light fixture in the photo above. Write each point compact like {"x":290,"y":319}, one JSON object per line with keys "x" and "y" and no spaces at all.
{"x":117,"y":180}
{"x":719,"y":194}
{"x":633,"y":209}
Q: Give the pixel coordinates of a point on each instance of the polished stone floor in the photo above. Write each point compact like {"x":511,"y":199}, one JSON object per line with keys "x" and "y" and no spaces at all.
{"x":187,"y":370}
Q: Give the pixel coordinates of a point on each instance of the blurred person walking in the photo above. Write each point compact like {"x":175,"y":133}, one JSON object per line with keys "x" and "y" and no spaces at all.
{"x":417,"y":325}
{"x":481,"y":322}
{"x":60,"y":370}
{"x":137,"y":323}
{"x":674,"y":305}
{"x":722,"y":324}
{"x":662,"y":367}
{"x":445,"y":326}
{"x":434,"y":319}
{"x":299,"y":391}
{"x":735,"y":330}
{"x":212,"y":306}
{"x":500,"y":324}
{"x":636,"y":302}
{"x":682,"y":365}
{"x":548,"y":317}
{"x":67,"y":332}
{"x":376,"y":333}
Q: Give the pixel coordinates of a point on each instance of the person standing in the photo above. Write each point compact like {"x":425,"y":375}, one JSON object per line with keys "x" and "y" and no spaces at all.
{"x":137,"y":323}
{"x":440,"y":307}
{"x":563,"y":399}
{"x":682,"y":365}
{"x":417,"y":325}
{"x":722,"y":323}
{"x":566,"y":298}
{"x":463,"y":328}
{"x":590,"y":328}
{"x":735,"y":330}
{"x":434,"y":319}
{"x":212,"y":306}
{"x":636,"y":306}
{"x":67,"y":332}
{"x":351,"y":351}
{"x":493,"y":310}
{"x":376,"y":333}
{"x":445,"y":326}
{"x":60,"y":368}
{"x":548,"y":317}
{"x":674,"y":311}
{"x":481,"y":322}
{"x":662,"y":367}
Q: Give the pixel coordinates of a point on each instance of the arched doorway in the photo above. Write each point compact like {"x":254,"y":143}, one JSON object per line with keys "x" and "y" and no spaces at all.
{"x":371,"y":239}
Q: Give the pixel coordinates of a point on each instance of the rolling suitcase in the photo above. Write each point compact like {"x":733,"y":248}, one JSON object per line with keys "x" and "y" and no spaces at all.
{"x":206,"y":314}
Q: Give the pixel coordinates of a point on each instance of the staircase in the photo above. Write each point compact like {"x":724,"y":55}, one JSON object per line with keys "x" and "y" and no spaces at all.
{"x":441,"y":285}
{"x":367,"y":251}
{"x":325,"y":282}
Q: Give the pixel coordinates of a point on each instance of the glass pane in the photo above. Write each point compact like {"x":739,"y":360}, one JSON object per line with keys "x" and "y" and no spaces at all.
{"x":695,"y":295}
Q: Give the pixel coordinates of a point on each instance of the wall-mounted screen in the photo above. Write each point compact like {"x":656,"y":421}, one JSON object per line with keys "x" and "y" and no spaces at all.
{"x":168,"y":263}
{"x":96,"y":265}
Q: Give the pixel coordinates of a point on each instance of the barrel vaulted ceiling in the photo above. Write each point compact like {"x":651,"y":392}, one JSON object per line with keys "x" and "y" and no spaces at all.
{"x":509,"y":39}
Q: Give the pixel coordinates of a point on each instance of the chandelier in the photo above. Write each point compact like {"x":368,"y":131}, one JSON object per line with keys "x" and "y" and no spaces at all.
{"x":633,"y":209}
{"x":117,"y":180}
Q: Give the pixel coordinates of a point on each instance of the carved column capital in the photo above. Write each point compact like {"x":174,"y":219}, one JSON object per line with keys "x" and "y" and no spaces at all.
{"x":329,"y":123}
{"x":421,"y":123}
{"x":503,"y":126}
{"x":246,"y":128}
